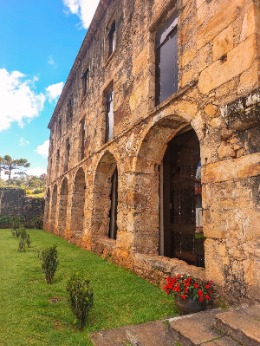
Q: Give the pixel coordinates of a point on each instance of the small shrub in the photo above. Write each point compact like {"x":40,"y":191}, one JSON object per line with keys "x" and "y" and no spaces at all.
{"x":23,"y":233}
{"x":13,"y":231}
{"x":21,"y":247}
{"x":28,"y":240}
{"x":50,"y":261}
{"x":80,"y":298}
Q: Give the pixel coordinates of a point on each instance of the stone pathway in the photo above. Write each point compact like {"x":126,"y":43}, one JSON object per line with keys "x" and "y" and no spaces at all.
{"x":240,"y":326}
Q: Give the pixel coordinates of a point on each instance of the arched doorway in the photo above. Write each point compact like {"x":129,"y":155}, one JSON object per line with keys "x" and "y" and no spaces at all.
{"x":112,"y":232}
{"x":77,"y":208}
{"x":47,"y":208}
{"x":181,"y":234}
{"x":63,"y":206}
{"x":53,"y":208}
{"x":105,"y":198}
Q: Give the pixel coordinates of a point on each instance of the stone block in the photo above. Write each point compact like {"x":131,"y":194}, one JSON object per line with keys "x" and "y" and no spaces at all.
{"x":211,"y":20}
{"x":223,"y":43}
{"x":234,"y":169}
{"x":221,"y":72}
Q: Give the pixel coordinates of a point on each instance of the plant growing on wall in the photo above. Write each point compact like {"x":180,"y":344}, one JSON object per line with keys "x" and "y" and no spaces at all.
{"x":80,"y":298}
{"x":49,"y":261}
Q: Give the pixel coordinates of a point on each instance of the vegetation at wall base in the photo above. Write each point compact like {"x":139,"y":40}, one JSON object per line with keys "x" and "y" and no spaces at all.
{"x":33,"y":313}
{"x":49,"y":260}
{"x":81,"y":297}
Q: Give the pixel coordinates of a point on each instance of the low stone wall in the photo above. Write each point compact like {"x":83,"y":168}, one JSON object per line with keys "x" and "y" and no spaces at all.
{"x":16,"y":207}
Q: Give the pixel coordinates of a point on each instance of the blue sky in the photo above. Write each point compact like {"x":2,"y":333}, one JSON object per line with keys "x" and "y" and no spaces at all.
{"x":39,"y":40}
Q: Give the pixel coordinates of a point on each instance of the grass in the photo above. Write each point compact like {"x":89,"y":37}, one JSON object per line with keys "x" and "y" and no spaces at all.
{"x":35,"y":313}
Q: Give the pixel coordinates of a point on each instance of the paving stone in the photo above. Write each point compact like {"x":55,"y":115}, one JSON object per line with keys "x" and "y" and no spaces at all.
{"x":195,"y":329}
{"x":243,"y":325}
{"x":147,"y":334}
{"x":223,"y":341}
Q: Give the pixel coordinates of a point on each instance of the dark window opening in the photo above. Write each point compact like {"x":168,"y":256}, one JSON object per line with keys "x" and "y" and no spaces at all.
{"x":59,"y":128}
{"x":114,"y":204}
{"x":111,"y":39}
{"x":82,"y":140}
{"x":182,"y":200}
{"x":85,"y":82}
{"x":69,"y":110}
{"x":67,"y":155}
{"x":57,"y":162}
{"x":166,"y":55}
{"x":109,"y":115}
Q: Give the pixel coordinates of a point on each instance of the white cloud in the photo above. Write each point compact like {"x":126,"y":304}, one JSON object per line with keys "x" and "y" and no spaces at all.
{"x":43,"y":149}
{"x":36,"y":171}
{"x":23,"y":142}
{"x":84,"y":9}
{"x":53,"y":91}
{"x":51,"y":60}
{"x":18,"y":101}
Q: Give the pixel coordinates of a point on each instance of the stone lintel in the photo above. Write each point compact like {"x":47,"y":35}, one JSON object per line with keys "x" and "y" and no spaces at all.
{"x":232,"y":170}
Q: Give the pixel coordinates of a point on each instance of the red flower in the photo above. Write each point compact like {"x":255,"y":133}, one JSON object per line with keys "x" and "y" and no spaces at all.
{"x":200,"y":293}
{"x":183,"y":296}
{"x":196,"y":285}
{"x":207,"y":297}
{"x":201,"y":299}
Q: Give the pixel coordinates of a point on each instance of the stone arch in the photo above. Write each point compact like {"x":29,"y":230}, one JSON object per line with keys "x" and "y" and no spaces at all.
{"x":148,"y":217}
{"x":155,"y":139}
{"x":77,"y":207}
{"x":47,"y":207}
{"x":53,"y":210}
{"x":63,"y":206}
{"x":105,"y":171}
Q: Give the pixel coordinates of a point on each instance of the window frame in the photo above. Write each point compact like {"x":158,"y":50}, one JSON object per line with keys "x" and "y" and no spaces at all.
{"x":109,"y":116}
{"x":85,"y":82}
{"x":166,"y":31}
{"x":111,"y":39}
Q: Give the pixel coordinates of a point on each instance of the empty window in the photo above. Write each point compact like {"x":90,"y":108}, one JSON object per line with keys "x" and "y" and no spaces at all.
{"x":67,"y":155}
{"x":85,"y":82}
{"x":109,"y":115}
{"x":114,"y":203}
{"x":166,"y":51}
{"x":112,"y":39}
{"x":82,"y":140}
{"x":59,"y":129}
{"x":69,"y":110}
{"x":57,"y":163}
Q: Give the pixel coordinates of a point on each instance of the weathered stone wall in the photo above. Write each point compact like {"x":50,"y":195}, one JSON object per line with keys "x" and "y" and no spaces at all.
{"x":218,"y":96}
{"x":14,"y":203}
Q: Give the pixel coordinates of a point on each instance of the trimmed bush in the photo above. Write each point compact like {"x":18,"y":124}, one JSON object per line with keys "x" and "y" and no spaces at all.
{"x":21,"y":246}
{"x":80,"y":298}
{"x":50,"y":261}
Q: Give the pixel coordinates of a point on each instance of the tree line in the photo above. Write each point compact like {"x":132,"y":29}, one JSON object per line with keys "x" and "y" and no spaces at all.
{"x":15,"y":169}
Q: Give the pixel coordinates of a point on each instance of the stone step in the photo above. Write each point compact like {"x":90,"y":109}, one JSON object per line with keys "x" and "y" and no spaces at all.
{"x":242,"y":325}
{"x":207,"y":328}
{"x":197,"y":329}
{"x":146,"y":334}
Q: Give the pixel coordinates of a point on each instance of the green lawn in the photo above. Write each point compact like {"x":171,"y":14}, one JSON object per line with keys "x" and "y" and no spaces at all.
{"x":27,"y":315}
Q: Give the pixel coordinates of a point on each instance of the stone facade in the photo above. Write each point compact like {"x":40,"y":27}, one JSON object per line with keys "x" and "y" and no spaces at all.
{"x":217,"y":97}
{"x":14,"y":204}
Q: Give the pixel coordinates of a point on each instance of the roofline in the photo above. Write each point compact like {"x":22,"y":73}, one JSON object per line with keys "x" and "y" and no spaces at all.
{"x":99,"y":13}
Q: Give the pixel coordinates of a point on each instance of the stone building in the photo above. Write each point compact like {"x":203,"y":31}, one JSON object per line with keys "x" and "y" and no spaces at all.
{"x":154,"y":142}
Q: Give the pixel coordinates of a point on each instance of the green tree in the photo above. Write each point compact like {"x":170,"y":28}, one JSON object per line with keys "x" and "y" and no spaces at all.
{"x":9,"y":164}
